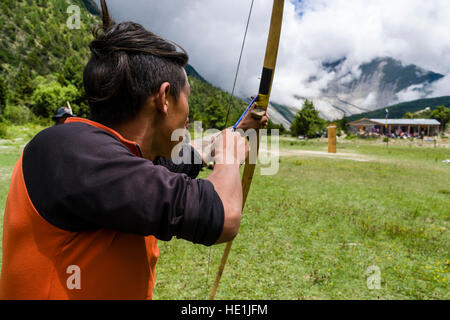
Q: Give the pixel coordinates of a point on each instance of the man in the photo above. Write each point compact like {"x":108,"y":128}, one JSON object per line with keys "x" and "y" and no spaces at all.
{"x":82,"y":220}
{"x":62,"y":114}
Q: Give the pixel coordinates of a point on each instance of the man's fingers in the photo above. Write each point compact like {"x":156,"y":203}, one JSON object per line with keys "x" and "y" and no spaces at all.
{"x":253,"y":105}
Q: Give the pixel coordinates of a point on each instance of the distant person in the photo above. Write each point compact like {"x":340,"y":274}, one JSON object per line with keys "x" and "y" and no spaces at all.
{"x":62,"y":114}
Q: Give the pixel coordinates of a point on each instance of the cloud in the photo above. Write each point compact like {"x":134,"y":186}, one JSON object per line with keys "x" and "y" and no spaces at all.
{"x":314,"y":31}
{"x":370,"y":100}
{"x":414,"y":92}
{"x":441,"y":87}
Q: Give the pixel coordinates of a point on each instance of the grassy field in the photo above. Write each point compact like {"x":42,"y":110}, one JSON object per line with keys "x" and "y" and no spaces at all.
{"x":313,"y":230}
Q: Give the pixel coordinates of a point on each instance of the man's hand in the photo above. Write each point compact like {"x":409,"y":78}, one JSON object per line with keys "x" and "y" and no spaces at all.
{"x":249,"y":122}
{"x":230,"y":150}
{"x":229,"y":147}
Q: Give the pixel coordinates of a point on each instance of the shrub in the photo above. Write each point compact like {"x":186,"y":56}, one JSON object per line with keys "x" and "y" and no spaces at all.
{"x":47,"y":98}
{"x":18,"y":114}
{"x":3,"y":130}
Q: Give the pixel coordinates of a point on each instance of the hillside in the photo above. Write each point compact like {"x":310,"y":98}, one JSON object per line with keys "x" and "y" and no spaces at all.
{"x":398,"y":110}
{"x":42,"y":62}
{"x":36,"y":40}
{"x":41,"y":59}
{"x":281,"y":114}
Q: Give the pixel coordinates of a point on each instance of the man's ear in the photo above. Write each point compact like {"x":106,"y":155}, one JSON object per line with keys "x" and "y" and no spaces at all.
{"x":162,"y":98}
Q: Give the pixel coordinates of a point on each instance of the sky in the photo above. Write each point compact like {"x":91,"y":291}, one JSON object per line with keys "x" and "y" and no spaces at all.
{"x":314,"y":31}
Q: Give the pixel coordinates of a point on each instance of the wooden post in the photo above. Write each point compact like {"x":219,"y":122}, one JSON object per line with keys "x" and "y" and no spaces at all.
{"x":332,"y":143}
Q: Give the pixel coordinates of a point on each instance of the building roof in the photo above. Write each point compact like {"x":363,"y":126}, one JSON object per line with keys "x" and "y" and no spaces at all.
{"x":403,"y":122}
{"x":423,"y":122}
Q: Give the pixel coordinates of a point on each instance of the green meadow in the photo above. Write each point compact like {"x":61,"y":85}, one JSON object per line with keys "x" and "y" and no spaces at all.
{"x":321,"y":227}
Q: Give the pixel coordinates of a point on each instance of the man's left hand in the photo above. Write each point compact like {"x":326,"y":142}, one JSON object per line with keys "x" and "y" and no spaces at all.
{"x":249,"y":122}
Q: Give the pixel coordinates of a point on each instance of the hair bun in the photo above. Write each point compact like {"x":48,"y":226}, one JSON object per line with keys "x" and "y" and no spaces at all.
{"x":99,"y":48}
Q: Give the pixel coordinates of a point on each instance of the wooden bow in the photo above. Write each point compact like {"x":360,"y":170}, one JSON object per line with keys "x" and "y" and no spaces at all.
{"x":259,"y":111}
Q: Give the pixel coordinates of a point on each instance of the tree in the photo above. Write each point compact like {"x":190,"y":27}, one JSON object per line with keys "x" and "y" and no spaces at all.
{"x":3,"y":95}
{"x":24,"y":85}
{"x":408,"y":115}
{"x":342,"y":125}
{"x":71,"y":72}
{"x":213,"y":115}
{"x":307,"y":121}
{"x":272,"y":126}
{"x":441,"y":114}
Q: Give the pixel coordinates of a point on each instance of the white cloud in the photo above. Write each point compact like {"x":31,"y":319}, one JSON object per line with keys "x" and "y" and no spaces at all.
{"x":441,"y":87}
{"x":413,"y":31}
{"x":414,"y":92}
{"x":370,"y":100}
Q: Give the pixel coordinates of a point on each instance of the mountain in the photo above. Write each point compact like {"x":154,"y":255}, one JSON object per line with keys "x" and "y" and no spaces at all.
{"x":92,"y":7}
{"x":281,"y":114}
{"x":370,"y":85}
{"x":42,"y":60}
{"x":362,"y":88}
{"x":41,"y":47}
{"x":39,"y":52}
{"x":398,"y":110}
{"x":191,"y":72}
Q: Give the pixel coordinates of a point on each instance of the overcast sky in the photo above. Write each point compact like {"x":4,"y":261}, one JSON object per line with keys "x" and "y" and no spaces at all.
{"x":413,"y":31}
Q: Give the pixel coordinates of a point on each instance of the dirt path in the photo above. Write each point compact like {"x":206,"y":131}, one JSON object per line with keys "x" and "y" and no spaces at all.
{"x":320,"y":154}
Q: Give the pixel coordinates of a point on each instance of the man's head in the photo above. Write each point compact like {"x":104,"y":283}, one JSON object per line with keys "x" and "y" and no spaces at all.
{"x":129,"y":65}
{"x":62,"y":114}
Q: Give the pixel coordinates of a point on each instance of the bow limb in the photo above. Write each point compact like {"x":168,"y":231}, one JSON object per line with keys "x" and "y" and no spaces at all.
{"x":262,"y":103}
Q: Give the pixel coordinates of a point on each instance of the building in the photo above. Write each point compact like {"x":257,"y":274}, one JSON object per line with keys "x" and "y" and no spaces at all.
{"x":413,"y":127}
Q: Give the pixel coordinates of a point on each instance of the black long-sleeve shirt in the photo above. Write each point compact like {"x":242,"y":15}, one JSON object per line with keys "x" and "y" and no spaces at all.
{"x":80,"y":178}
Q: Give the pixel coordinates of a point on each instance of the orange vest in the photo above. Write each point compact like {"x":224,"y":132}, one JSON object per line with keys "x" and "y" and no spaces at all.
{"x":41,"y":261}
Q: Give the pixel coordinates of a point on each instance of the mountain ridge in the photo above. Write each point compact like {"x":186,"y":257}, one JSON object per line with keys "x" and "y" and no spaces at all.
{"x":397,"y":111}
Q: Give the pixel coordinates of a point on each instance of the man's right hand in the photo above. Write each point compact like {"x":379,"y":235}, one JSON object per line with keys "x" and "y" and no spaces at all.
{"x":230,"y":150}
{"x":230,"y":147}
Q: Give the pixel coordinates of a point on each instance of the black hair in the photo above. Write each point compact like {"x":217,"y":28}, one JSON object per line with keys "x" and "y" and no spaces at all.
{"x":128,"y":64}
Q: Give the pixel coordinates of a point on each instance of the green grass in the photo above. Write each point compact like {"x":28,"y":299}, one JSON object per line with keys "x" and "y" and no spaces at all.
{"x":10,"y":150}
{"x":312,"y":230}
{"x":7,"y":162}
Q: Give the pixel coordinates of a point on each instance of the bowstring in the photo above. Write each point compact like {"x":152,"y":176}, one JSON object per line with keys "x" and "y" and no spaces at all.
{"x":239,"y":64}
{"x":229,"y":108}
